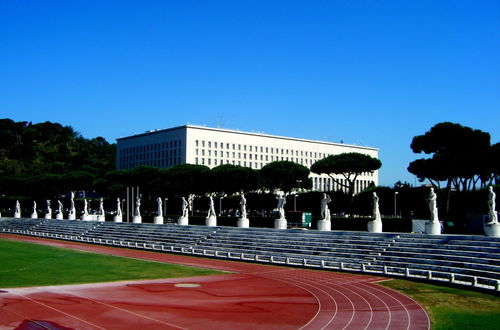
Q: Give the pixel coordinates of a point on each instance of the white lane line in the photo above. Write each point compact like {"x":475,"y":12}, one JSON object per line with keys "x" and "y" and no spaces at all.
{"x":383,"y":302}
{"x":57,"y":310}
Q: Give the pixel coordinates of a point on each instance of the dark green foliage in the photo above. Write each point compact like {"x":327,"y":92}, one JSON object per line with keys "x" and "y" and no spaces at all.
{"x":229,"y":179}
{"x":51,"y":157}
{"x":461,"y":156}
{"x":284,"y":175}
{"x":350,"y":165}
{"x":185,"y":179}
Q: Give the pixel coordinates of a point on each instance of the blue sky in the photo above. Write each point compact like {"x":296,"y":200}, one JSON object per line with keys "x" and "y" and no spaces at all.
{"x":372,"y":73}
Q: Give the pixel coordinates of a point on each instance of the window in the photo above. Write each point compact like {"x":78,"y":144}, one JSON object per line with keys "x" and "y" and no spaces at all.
{"x":209,"y":144}
{"x":203,"y":144}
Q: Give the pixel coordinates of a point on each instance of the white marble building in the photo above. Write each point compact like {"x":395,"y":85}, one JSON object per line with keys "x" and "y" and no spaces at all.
{"x":215,"y":146}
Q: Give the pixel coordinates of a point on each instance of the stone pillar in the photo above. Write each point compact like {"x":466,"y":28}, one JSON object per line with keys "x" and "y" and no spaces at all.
{"x":59,"y":216}
{"x":280,"y":224}
{"x":136,"y":219}
{"x":324,"y":225}
{"x":375,"y":226}
{"x":211,"y":221}
{"x":183,"y":221}
{"x":433,"y":228}
{"x":243,"y":223}
{"x":492,"y":229}
{"x":117,"y":218}
{"x":158,"y":220}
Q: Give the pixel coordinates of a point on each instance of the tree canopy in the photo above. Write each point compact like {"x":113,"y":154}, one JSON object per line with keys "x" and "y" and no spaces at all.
{"x":350,"y":165}
{"x":284,"y":175}
{"x":461,"y":156}
{"x":229,"y":179}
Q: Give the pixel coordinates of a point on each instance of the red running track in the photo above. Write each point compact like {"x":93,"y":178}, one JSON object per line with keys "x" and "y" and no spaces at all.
{"x":253,"y":296}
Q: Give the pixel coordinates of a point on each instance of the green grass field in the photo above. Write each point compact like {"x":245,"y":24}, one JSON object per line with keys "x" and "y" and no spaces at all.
{"x":25,"y":264}
{"x":451,"y":308}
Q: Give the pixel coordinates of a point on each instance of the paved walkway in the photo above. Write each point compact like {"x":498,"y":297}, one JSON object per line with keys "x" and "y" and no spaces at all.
{"x":253,"y":296}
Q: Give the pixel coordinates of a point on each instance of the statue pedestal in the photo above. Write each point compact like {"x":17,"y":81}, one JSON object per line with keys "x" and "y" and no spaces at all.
{"x":34,"y":215}
{"x":375,"y":226}
{"x":183,"y":221}
{"x":17,"y":215}
{"x":324,"y":225}
{"x":211,"y":221}
{"x":101,"y":218}
{"x":71,"y":216}
{"x":433,"y":228}
{"x":136,"y":219}
{"x":243,"y":223}
{"x":158,"y":220}
{"x":59,"y":216}
{"x":48,"y":216}
{"x":117,"y":218}
{"x":86,"y":217}
{"x":280,"y":223}
{"x":492,"y":229}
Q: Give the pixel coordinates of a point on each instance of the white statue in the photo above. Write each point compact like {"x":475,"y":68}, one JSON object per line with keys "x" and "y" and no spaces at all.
{"x":243,"y":206}
{"x":137,"y":207}
{"x":49,"y":209}
{"x":432,"y":200}
{"x":72,"y":210}
{"x":85,"y":208}
{"x":118,"y":207}
{"x":185,"y":206}
{"x":101,"y":207}
{"x":325,"y":211}
{"x":59,"y":207}
{"x":190,"y":202}
{"x":281,"y":205}
{"x":34,"y":214}
{"x":159,"y":213}
{"x":492,"y":213}
{"x":376,"y":210}
{"x":18,"y":207}
{"x":211,"y":208}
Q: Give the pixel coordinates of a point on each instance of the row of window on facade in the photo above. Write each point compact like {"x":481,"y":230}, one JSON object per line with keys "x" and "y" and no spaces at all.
{"x":151,"y":147}
{"x":151,"y":155}
{"x":163,"y":163}
{"x":327,"y":184}
{"x":250,"y":148}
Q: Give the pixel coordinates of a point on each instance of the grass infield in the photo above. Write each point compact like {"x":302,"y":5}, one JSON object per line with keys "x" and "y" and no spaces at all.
{"x":26,"y":264}
{"x":451,"y":308}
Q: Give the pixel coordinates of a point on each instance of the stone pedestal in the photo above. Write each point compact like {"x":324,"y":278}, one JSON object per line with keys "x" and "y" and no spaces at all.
{"x":48,"y":216}
{"x":324,"y":225}
{"x":243,"y":223}
{"x":280,"y":223}
{"x":158,"y":220}
{"x":17,"y":215}
{"x":71,"y":216}
{"x":101,"y":218}
{"x":183,"y":221}
{"x":211,"y":221}
{"x":59,"y":216}
{"x":86,"y":217}
{"x":34,"y":215}
{"x":375,"y":226}
{"x":117,"y":218}
{"x":492,"y":229}
{"x":137,"y":219}
{"x":433,"y":228}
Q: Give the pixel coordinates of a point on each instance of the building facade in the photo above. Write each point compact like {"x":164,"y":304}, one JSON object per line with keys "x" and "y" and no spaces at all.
{"x":215,"y":146}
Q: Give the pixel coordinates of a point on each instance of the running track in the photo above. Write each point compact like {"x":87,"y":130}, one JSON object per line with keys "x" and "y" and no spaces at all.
{"x":252,"y":296}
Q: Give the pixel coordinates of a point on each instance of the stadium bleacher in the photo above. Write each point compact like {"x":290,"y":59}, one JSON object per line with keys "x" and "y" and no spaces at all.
{"x":460,"y":259}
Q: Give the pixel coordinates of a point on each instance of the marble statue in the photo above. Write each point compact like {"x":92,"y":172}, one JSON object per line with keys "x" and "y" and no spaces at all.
{"x":185,"y":206}
{"x":59,"y":207}
{"x":376,"y":210}
{"x":190,"y":202}
{"x":101,"y":207}
{"x":432,"y":200}
{"x":243,"y":206}
{"x":118,"y":207}
{"x":159,"y":212}
{"x":85,"y":207}
{"x":48,"y":215}
{"x":34,"y":214}
{"x":281,"y":205}
{"x":17,"y":211}
{"x":137,"y":212}
{"x":72,"y":209}
{"x":211,"y":208}
{"x":492,"y":213}
{"x":325,"y":211}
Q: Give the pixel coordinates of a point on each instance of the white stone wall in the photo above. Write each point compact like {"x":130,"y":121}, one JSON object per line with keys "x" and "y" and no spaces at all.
{"x":212,"y":147}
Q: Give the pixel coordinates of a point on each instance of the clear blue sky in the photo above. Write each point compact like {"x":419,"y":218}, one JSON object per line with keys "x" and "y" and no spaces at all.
{"x":370,"y":73}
